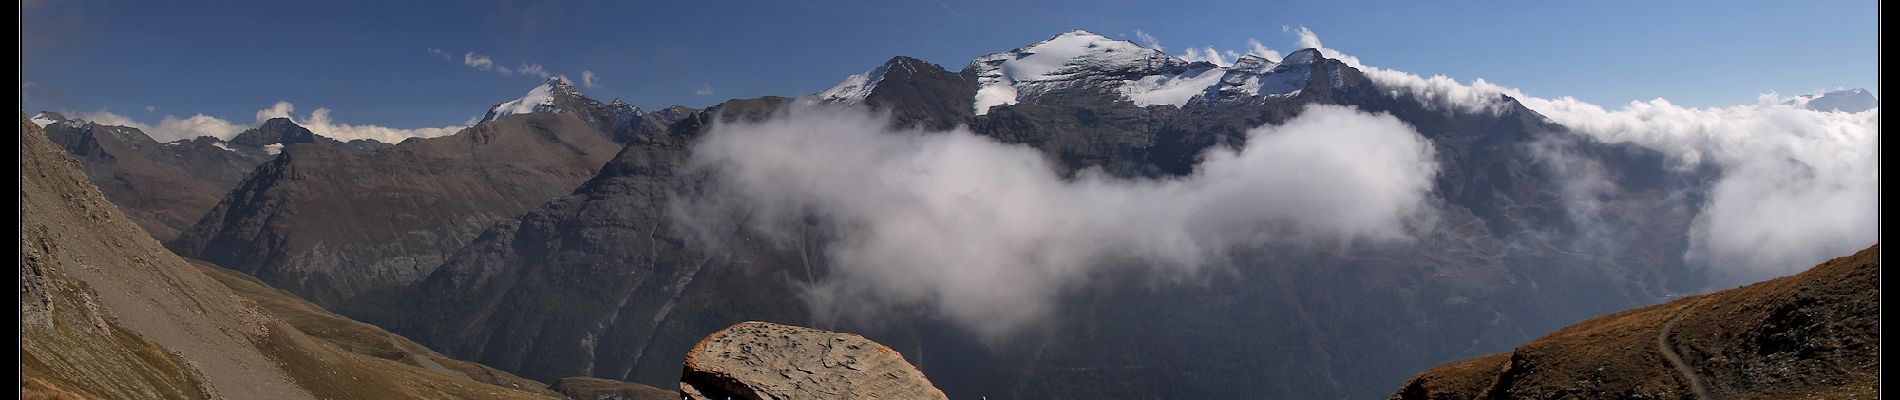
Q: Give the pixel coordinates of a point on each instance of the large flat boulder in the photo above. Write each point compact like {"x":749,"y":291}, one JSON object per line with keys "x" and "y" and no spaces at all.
{"x":760,"y":360}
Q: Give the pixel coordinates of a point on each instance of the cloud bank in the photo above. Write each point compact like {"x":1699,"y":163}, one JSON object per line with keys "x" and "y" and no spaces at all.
{"x":1222,"y":58}
{"x":986,"y":234}
{"x":1797,"y":186}
{"x":170,"y":128}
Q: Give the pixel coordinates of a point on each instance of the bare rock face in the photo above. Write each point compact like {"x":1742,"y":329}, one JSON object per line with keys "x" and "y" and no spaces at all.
{"x":760,"y":360}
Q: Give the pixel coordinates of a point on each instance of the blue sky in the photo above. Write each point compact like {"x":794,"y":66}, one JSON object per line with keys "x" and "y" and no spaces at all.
{"x":369,"y":62}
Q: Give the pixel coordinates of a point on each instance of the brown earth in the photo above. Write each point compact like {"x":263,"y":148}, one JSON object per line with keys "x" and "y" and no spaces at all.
{"x":1811,"y":335}
{"x":585,"y":388}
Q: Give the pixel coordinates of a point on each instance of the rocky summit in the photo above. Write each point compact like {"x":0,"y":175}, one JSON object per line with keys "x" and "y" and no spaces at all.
{"x":760,"y":360}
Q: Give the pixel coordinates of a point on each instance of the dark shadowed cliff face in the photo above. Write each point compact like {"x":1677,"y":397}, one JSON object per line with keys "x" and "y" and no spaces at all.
{"x":1812,"y":335}
{"x":601,"y":283}
{"x":165,"y":187}
{"x":328,"y":223}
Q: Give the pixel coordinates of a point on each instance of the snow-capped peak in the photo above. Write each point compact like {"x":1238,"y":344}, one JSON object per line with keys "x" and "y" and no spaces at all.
{"x":540,"y":99}
{"x":43,"y":119}
{"x":854,"y":89}
{"x":1848,"y":100}
{"x":1085,"y":60}
{"x":46,"y":119}
{"x":1252,"y":64}
{"x":1065,"y":54}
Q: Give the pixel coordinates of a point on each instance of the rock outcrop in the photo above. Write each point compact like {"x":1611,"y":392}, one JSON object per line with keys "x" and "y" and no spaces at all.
{"x":759,"y":360}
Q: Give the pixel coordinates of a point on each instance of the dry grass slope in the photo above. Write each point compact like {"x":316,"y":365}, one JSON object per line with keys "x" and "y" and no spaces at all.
{"x":357,"y":337}
{"x":1811,"y":335}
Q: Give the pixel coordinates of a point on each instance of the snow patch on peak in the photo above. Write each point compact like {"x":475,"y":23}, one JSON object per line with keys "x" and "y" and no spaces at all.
{"x":541,"y":98}
{"x":41,"y":120}
{"x":1252,"y":64}
{"x":1173,"y":90}
{"x":994,"y":95}
{"x":1070,"y":52}
{"x":1079,"y":61}
{"x":1002,"y":77}
{"x":1302,"y":57}
{"x":220,"y":144}
{"x":854,"y":89}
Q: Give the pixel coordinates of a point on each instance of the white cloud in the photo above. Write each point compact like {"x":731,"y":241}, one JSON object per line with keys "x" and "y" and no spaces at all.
{"x":1207,"y":54}
{"x":281,"y":109}
{"x":1796,"y":186}
{"x":438,"y":52}
{"x":483,"y":62}
{"x":1148,"y":40}
{"x":1210,"y":54}
{"x":589,"y":80}
{"x":986,"y":234}
{"x":704,"y":89}
{"x":478,"y":61}
{"x":170,"y":128}
{"x":1308,"y":39}
{"x":534,"y":70}
{"x":1254,"y":47}
{"x":150,"y":108}
{"x":320,"y":123}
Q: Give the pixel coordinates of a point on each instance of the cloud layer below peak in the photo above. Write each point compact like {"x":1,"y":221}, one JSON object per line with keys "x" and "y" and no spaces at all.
{"x":1796,"y":186}
{"x":171,"y":128}
{"x":985,"y":233}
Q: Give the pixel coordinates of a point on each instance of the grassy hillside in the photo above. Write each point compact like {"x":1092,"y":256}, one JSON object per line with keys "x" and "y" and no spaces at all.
{"x":1812,"y":335}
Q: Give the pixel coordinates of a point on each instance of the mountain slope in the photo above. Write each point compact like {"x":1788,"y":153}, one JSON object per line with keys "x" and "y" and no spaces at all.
{"x":1811,"y":335}
{"x":108,"y":312}
{"x":329,"y":223}
{"x":595,"y":283}
{"x":913,"y":91}
{"x":166,"y":186}
{"x":357,"y":337}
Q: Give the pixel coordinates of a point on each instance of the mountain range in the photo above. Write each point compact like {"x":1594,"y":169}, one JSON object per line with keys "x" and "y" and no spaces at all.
{"x":545,"y":240}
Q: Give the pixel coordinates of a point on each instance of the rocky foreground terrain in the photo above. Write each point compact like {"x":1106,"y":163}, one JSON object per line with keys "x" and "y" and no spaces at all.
{"x":1810,"y":336}
{"x":760,"y":360}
